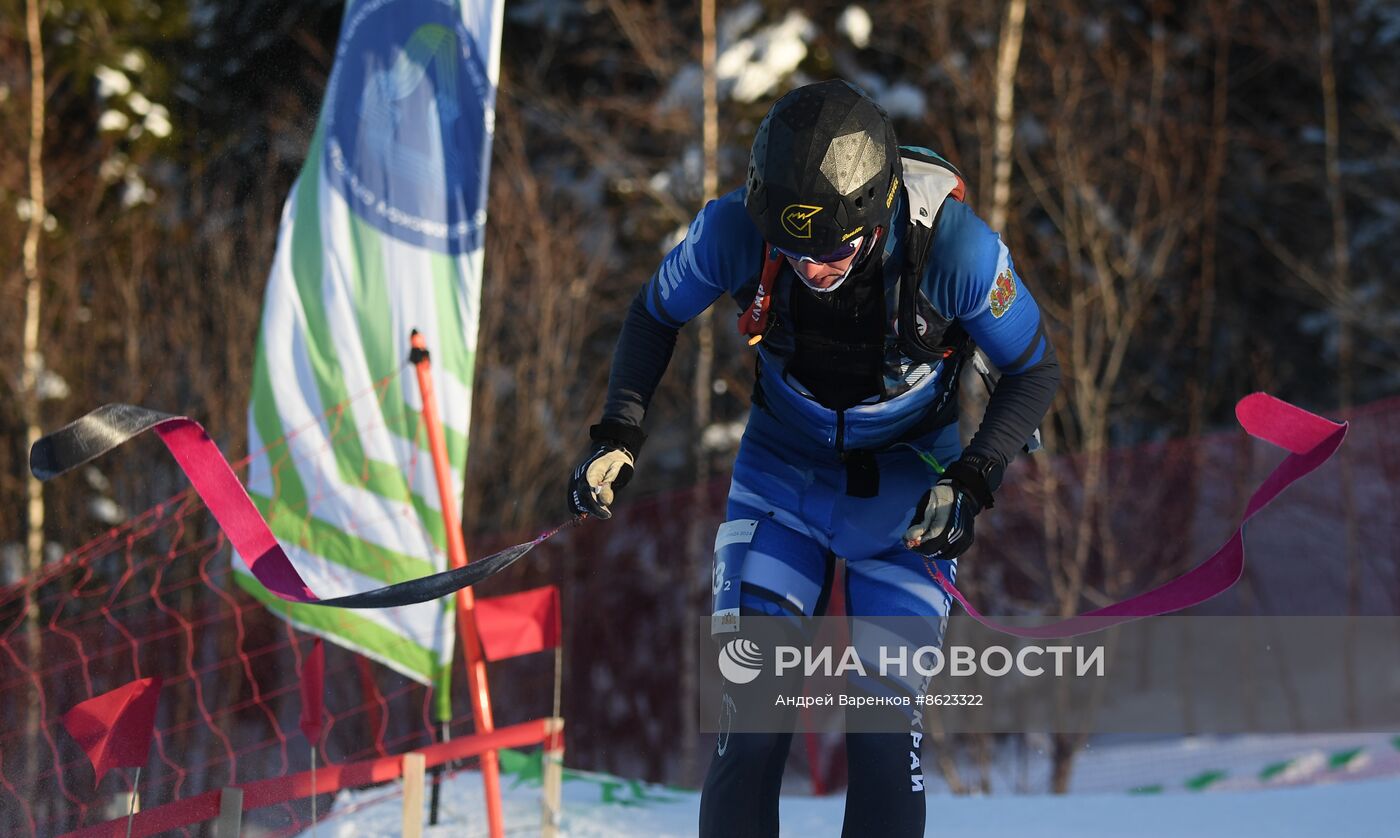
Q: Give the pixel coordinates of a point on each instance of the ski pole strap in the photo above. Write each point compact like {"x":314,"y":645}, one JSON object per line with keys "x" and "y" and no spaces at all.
{"x":1310,"y":441}
{"x":112,"y":425}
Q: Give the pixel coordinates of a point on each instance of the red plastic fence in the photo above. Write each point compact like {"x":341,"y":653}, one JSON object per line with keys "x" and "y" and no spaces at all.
{"x":156,"y":596}
{"x":262,"y":793}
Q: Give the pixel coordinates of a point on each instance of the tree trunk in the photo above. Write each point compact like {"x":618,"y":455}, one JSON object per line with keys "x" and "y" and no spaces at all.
{"x":1343,"y":310}
{"x":33,"y":364}
{"x":698,"y":542}
{"x":1008,"y":57}
{"x":33,"y":360}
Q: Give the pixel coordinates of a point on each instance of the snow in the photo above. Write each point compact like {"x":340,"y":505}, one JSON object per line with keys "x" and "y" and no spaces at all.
{"x":12,"y":568}
{"x":51,"y":385}
{"x":135,"y":191}
{"x":749,"y":66}
{"x":111,"y":82}
{"x":854,"y":23}
{"x":133,"y":62}
{"x":756,"y":65}
{"x":903,"y":100}
{"x":158,"y":122}
{"x":139,"y":104}
{"x":900,"y":99}
{"x":113,"y":121}
{"x":1337,"y":801}
{"x":723,"y":436}
{"x":113,"y":167}
{"x":106,"y":510}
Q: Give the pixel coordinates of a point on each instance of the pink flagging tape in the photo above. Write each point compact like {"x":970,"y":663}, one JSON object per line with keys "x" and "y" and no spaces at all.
{"x":1310,"y":440}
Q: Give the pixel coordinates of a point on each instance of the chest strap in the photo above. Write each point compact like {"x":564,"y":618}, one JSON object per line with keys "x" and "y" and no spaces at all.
{"x":753,"y":322}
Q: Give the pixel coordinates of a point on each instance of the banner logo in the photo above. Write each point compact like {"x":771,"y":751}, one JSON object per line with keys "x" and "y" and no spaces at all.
{"x":406,"y":117}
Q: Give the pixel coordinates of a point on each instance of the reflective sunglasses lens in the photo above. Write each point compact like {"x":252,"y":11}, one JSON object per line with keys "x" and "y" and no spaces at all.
{"x":845,"y":250}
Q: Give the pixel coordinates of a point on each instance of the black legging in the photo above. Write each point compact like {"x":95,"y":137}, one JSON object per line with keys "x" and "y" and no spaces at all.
{"x":740,"y":799}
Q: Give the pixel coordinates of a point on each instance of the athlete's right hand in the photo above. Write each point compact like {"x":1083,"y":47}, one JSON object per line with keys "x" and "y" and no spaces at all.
{"x":607,"y":468}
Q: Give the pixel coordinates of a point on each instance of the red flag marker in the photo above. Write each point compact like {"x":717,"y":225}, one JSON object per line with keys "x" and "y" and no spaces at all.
{"x":114,"y":729}
{"x":313,"y":691}
{"x":519,"y":624}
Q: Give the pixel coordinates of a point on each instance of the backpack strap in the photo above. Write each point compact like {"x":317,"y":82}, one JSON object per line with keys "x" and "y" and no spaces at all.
{"x":754,"y":321}
{"x":929,"y":180}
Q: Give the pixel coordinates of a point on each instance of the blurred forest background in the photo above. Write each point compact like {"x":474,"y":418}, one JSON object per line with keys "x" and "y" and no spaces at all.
{"x":1204,"y":196}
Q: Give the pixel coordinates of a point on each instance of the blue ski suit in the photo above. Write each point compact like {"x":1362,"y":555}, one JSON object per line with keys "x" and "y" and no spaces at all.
{"x":814,"y":482}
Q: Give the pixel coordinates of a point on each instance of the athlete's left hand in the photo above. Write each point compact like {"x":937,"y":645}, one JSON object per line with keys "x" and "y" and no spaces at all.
{"x":942,"y":525}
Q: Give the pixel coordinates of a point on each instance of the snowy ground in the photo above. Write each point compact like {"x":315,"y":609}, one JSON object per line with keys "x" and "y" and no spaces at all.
{"x":1284,"y":787}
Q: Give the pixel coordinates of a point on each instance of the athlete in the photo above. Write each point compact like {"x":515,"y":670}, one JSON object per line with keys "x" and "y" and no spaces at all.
{"x":864,"y":283}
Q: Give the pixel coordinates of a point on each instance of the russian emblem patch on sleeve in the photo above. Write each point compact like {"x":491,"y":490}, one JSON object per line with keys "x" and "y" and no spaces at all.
{"x":1003,"y":293}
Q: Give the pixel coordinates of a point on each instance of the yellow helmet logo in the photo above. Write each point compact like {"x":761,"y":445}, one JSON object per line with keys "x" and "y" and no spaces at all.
{"x":797,"y":220}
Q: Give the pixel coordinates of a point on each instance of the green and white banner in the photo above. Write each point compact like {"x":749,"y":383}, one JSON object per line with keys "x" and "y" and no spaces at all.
{"x":381,"y":234}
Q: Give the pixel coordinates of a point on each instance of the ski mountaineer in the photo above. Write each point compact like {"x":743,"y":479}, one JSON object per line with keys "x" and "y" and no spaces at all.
{"x":864,"y":283}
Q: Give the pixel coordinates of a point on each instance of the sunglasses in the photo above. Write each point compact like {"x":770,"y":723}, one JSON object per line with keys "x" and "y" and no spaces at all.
{"x":845,"y":251}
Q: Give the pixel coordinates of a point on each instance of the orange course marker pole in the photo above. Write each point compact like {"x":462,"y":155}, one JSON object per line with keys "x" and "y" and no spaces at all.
{"x":466,"y":600}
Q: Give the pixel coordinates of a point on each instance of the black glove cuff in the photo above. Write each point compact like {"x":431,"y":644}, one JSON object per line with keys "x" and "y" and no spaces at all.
{"x":976,"y":474}
{"x":629,"y":437}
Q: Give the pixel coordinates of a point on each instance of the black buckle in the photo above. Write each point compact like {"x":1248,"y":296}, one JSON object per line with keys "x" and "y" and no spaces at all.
{"x":862,"y":474}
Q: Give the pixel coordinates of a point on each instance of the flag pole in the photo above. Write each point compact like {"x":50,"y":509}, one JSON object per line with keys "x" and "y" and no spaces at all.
{"x":466,"y":600}
{"x":131,"y":805}
{"x":444,"y":735}
{"x":313,"y":790}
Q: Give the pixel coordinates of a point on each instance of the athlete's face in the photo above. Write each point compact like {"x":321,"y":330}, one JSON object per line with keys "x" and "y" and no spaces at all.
{"x":821,"y":275}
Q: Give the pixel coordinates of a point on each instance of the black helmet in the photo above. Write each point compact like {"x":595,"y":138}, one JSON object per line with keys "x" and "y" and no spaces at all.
{"x":824,"y":168}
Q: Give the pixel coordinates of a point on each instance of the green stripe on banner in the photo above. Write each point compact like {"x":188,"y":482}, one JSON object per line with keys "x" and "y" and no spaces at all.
{"x":369,"y":272}
{"x":293,"y":526}
{"x":372,"y":305}
{"x":308,"y":270}
{"x":456,"y":440}
{"x":353,"y":465}
{"x":458,"y":359}
{"x":1274,"y":769}
{"x":369,"y":638}
{"x":285,"y":479}
{"x":1396,"y":742}
{"x":442,"y":692}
